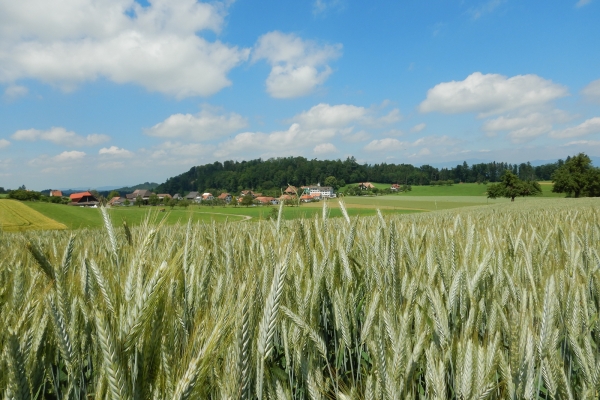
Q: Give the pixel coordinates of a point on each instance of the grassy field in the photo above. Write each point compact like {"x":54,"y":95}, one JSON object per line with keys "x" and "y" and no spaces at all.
{"x":497,"y":302}
{"x":80,"y":217}
{"x":460,"y":189}
{"x":421,"y":198}
{"x":16,"y":216}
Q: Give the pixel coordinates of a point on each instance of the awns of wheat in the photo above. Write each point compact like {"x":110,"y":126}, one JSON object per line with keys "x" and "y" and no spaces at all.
{"x":496,"y":303}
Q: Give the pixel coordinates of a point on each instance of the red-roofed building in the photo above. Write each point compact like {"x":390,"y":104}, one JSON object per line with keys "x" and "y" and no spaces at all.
{"x":55,"y":193}
{"x":226,"y":197}
{"x":83,"y":199}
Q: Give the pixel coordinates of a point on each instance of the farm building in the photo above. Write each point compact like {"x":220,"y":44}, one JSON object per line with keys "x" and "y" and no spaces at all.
{"x":83,"y":199}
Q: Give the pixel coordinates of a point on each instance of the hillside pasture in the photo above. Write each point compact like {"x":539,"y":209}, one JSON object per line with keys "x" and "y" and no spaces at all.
{"x":16,"y":216}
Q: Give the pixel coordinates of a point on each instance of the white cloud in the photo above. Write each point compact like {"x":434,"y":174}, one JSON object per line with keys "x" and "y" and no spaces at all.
{"x":297,"y":66}
{"x":485,"y":8}
{"x":587,"y":127}
{"x":592,"y":91}
{"x":582,"y":3}
{"x":491,"y":94}
{"x":387,"y":144}
{"x":323,"y":6}
{"x":115,"y":151}
{"x":69,"y":156}
{"x":157,"y":46}
{"x":325,"y":148}
{"x":61,"y":136}
{"x":526,"y":126}
{"x":418,"y":128}
{"x":582,"y":143}
{"x":176,"y":153}
{"x":276,"y":143}
{"x":326,"y":116}
{"x":4,"y":143}
{"x":203,"y":126}
{"x":15,"y":91}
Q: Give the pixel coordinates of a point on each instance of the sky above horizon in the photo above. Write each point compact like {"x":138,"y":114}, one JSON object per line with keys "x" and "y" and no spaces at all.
{"x":119,"y":92}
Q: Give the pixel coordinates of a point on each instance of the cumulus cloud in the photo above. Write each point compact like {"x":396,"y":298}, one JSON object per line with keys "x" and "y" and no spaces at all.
{"x":327,"y":116}
{"x":387,"y":144}
{"x":489,"y":94}
{"x":115,"y":151}
{"x":297,"y":66}
{"x":177,"y":153}
{"x":310,"y":128}
{"x":418,"y":127}
{"x":15,"y":91}
{"x":525,"y":126}
{"x":421,"y":146}
{"x":325,"y":148}
{"x":157,"y":47}
{"x":592,"y":91}
{"x":4,"y":143}
{"x":587,"y":127}
{"x":203,"y":126}
{"x":69,"y":156}
{"x":61,"y":136}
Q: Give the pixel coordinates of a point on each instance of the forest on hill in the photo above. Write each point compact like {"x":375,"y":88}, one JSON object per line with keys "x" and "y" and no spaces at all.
{"x":276,"y":173}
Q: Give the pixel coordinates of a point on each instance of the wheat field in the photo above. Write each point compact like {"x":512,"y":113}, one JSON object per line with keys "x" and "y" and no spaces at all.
{"x":497,"y":303}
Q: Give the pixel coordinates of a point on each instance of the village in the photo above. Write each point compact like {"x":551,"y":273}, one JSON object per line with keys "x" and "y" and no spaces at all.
{"x":292,"y":195}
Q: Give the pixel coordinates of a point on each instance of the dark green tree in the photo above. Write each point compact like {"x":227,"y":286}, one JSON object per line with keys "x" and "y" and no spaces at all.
{"x":573,"y":177}
{"x":510,"y":186}
{"x":247,"y":200}
{"x":153,"y":199}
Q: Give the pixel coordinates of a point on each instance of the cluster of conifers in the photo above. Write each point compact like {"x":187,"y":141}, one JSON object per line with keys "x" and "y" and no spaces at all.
{"x":495,"y":303}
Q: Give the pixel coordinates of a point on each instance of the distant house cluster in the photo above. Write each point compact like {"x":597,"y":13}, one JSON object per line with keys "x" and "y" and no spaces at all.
{"x":291,"y":193}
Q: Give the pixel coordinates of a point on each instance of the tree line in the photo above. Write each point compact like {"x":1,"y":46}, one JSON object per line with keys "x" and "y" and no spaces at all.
{"x":275,"y":173}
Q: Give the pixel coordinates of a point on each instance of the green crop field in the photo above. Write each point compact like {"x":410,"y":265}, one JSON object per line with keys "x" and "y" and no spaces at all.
{"x":16,"y":216}
{"x":495,"y":302}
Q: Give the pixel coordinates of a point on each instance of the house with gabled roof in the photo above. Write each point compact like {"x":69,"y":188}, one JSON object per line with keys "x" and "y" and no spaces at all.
{"x":291,"y":190}
{"x":55,"y":193}
{"x":84,"y":199}
{"x":194,"y":196}
{"x":267,"y":200}
{"x":143,"y":193}
{"x":226,"y":197}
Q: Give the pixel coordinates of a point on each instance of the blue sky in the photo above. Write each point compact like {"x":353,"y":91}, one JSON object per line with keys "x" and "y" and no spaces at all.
{"x":120,"y":92}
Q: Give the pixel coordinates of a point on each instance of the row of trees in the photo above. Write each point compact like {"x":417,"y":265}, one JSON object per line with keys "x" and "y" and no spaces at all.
{"x":270,"y":175}
{"x":575,"y":177}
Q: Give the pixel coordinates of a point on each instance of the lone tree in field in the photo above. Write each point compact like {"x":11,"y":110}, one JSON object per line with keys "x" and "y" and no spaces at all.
{"x":511,"y":186}
{"x":577,"y":177}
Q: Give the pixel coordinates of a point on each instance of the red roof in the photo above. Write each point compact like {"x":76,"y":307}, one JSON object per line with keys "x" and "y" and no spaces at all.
{"x":76,"y":196}
{"x":57,"y":193}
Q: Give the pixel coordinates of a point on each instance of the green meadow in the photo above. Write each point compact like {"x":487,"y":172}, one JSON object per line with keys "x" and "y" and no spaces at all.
{"x":458,"y":189}
{"x":420,"y":199}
